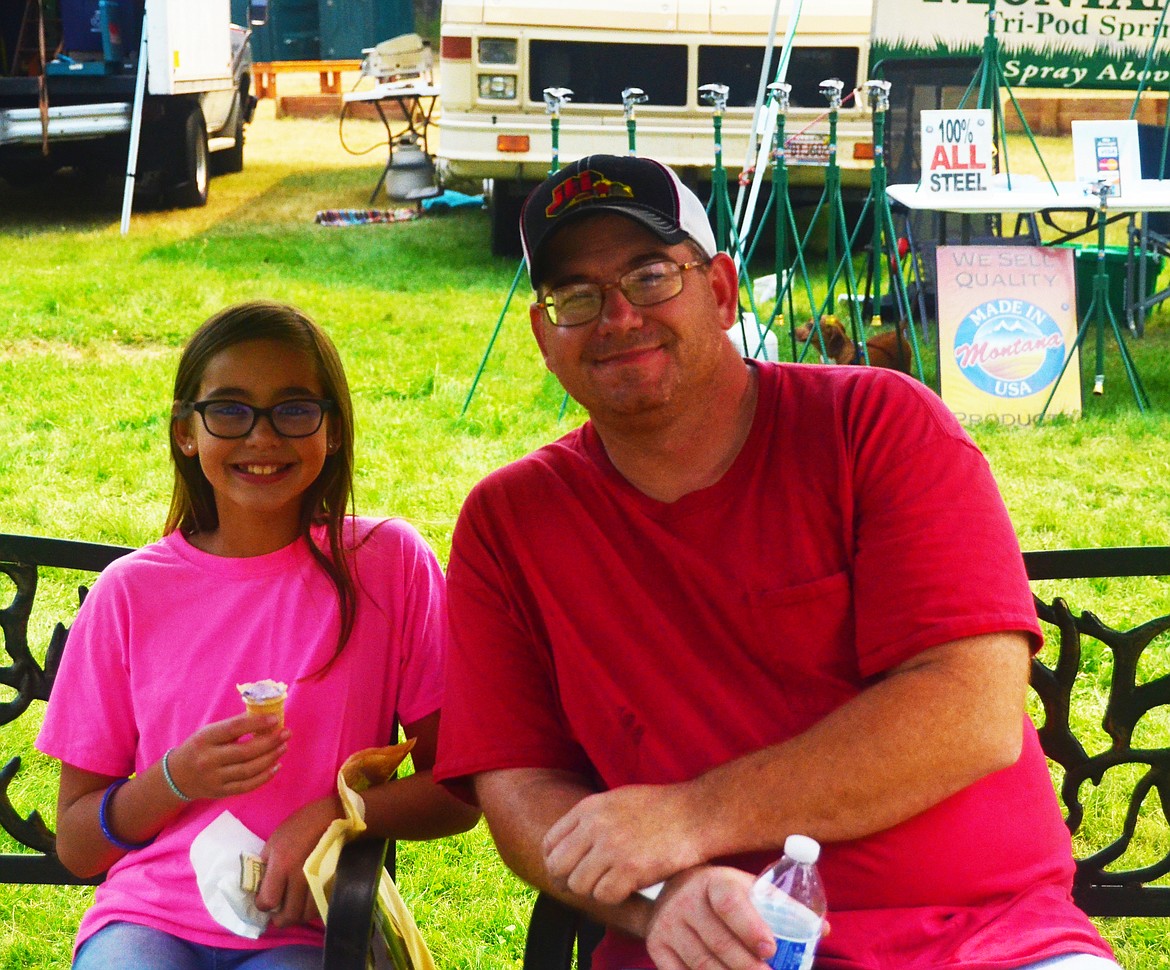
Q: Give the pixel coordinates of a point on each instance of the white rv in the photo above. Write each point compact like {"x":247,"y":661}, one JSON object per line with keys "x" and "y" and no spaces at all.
{"x":499,"y":56}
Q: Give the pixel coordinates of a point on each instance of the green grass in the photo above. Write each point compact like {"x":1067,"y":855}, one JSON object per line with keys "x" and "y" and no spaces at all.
{"x":91,"y":325}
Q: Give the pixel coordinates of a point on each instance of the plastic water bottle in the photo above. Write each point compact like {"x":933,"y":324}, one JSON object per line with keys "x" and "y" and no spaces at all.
{"x":790,"y":898}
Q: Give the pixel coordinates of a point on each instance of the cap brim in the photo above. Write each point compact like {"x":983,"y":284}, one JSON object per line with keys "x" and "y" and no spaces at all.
{"x":649,"y":219}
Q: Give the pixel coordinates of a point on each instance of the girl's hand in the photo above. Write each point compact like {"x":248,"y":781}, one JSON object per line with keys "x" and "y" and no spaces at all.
{"x":284,"y":893}
{"x":229,"y":757}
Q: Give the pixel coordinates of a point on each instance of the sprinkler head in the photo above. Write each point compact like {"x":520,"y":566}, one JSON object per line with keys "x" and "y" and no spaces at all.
{"x":781,"y":94}
{"x":1102,"y":188}
{"x":715,"y":95}
{"x":878,"y":93}
{"x":554,"y":98}
{"x":631,"y":97}
{"x":831,"y":89}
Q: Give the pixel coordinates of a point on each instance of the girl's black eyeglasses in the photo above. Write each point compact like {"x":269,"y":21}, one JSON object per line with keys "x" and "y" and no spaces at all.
{"x":235,"y":419}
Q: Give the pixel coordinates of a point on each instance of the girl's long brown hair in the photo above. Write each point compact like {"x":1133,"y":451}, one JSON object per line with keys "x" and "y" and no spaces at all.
{"x":193,"y":500}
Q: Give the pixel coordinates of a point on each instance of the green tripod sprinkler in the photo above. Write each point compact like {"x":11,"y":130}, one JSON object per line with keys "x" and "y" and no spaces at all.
{"x":630,"y":98}
{"x":716,"y":96}
{"x":831,"y":89}
{"x":786,"y":232}
{"x":837,"y":241}
{"x":554,"y":100}
{"x":878,"y":93}
{"x":1098,"y":311}
{"x":725,"y":235}
{"x":884,"y":243}
{"x":781,"y":94}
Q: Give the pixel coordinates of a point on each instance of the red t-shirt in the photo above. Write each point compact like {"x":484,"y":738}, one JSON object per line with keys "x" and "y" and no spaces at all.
{"x":599,"y":631}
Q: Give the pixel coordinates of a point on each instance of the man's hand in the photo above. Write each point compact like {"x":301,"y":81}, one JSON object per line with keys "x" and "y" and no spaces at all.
{"x":705,"y":918}
{"x":611,"y":844}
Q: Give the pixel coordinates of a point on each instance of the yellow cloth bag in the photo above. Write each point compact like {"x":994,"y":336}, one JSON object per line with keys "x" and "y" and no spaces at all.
{"x":373,"y":766}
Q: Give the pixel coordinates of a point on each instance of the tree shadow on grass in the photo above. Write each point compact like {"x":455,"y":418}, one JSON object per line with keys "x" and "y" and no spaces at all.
{"x":274,"y":232}
{"x":69,"y":199}
{"x":257,"y":224}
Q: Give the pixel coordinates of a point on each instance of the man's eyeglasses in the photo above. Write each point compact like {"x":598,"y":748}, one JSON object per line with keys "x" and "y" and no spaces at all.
{"x":574,"y":304}
{"x":235,"y":419}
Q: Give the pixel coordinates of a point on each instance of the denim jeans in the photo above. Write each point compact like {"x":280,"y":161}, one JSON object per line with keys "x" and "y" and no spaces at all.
{"x":143,"y":948}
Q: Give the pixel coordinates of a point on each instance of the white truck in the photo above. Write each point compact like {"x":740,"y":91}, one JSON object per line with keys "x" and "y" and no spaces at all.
{"x":67,"y":93}
{"x":498,"y":56}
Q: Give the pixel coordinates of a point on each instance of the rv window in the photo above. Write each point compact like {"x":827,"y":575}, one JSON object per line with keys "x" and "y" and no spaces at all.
{"x":598,"y":73}
{"x":739,"y":69}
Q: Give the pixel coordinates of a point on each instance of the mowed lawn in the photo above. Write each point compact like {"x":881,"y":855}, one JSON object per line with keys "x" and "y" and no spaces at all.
{"x":90,"y":327}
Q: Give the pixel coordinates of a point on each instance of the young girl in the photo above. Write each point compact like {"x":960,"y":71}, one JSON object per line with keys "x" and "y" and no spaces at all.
{"x":260,"y":575}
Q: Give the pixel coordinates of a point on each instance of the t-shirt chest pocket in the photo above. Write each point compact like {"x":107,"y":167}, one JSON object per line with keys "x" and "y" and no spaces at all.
{"x":805,"y":635}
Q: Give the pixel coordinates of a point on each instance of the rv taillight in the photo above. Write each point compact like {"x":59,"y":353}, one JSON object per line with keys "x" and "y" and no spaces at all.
{"x":455,"y":48}
{"x":863,"y":151}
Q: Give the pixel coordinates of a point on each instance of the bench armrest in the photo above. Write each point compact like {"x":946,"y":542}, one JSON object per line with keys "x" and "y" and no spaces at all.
{"x":351,"y":910}
{"x":554,"y":931}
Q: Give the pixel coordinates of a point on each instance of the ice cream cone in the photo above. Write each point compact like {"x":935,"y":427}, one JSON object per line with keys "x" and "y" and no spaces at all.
{"x":264,"y":697}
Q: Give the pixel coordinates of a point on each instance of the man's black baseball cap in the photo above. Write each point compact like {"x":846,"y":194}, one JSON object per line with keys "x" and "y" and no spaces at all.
{"x":638,"y":188}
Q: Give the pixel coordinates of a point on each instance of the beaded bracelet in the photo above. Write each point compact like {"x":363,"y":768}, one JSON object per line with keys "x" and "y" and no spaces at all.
{"x":166,"y":768}
{"x":104,"y":822}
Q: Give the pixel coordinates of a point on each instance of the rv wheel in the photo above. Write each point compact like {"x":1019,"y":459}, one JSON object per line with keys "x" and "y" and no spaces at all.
{"x":507,"y":198}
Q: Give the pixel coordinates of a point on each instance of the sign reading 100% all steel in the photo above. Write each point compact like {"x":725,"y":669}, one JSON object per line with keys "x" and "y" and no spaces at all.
{"x":956,"y":150}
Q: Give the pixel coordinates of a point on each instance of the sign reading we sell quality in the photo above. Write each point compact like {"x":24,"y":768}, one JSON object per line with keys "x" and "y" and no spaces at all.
{"x":956,"y":150}
{"x":1006,"y":322}
{"x":1081,"y":44}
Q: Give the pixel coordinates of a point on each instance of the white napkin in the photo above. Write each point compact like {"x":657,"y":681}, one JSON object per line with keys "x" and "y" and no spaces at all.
{"x":215,"y":856}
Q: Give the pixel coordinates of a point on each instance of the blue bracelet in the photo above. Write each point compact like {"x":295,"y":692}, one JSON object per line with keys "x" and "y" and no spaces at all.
{"x":105,"y":824}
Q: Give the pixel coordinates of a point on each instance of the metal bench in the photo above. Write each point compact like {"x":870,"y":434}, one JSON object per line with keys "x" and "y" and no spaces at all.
{"x":26,"y":559}
{"x":1101,"y":887}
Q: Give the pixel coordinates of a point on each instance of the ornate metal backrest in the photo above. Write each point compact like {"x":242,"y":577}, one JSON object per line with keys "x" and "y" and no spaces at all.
{"x":1142,"y":768}
{"x":554,"y":928}
{"x":21,"y":559}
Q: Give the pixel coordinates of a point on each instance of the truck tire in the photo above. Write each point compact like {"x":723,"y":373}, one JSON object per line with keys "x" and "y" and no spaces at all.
{"x":190,"y":172}
{"x":507,"y":198}
{"x":231,"y":160}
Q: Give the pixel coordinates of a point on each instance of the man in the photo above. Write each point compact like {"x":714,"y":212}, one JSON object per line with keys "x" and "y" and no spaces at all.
{"x":745,"y":600}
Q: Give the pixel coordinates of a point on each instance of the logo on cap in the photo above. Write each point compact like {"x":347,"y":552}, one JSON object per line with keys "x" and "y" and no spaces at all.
{"x":586,"y":186}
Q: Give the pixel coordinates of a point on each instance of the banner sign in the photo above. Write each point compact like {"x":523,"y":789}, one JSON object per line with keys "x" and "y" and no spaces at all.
{"x":1006,"y":321}
{"x":956,"y":150}
{"x":1079,"y":44}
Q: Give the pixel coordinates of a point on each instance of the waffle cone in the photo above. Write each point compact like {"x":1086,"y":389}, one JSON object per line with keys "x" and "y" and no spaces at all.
{"x":274,"y":705}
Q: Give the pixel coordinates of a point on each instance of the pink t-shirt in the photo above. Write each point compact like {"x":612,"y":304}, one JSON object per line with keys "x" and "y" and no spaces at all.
{"x":598,"y":631}
{"x":157,"y":650}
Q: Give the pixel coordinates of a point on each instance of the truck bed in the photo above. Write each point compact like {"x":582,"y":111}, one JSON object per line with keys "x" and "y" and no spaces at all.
{"x":24,"y":92}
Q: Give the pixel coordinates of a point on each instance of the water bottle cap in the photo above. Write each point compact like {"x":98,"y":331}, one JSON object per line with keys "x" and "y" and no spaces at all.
{"x":801,"y":848}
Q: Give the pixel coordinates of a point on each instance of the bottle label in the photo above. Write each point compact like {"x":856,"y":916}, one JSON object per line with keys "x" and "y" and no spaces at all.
{"x":792,"y":955}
